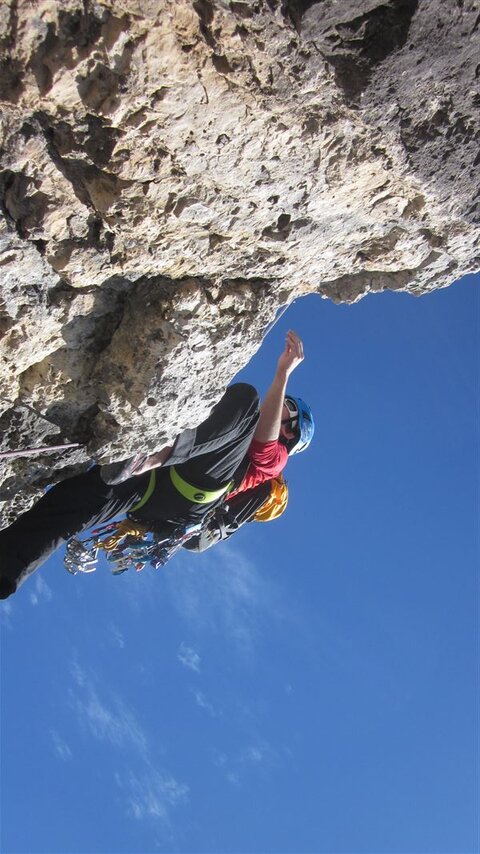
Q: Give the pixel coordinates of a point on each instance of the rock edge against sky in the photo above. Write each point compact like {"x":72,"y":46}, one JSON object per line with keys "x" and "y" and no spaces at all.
{"x":174,"y":172}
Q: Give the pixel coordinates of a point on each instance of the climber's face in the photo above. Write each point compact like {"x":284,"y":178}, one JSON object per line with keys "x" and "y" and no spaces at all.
{"x":289,"y":426}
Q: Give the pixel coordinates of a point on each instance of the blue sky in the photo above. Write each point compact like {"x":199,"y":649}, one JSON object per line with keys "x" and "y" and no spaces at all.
{"x":310,"y":686}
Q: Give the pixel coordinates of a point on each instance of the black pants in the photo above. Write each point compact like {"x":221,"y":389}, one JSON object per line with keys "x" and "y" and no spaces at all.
{"x":208,"y":456}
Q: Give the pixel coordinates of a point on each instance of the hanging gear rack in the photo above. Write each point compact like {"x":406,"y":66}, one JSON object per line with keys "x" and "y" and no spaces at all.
{"x":127,"y":545}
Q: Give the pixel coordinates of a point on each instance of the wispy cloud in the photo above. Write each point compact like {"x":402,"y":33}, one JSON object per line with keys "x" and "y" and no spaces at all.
{"x":152,"y":794}
{"x":79,"y":675}
{"x":6,"y":609}
{"x":189,"y":657}
{"x":202,"y":701}
{"x":259,"y":753}
{"x":107,"y":720}
{"x":258,"y":757}
{"x":116,"y":636}
{"x":224,"y":592}
{"x":41,"y":593}
{"x":220,"y":759}
{"x":60,"y":747}
{"x":254,"y":755}
{"x":149,"y":793}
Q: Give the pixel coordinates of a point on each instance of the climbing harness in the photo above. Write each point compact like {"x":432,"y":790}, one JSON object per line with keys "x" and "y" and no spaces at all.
{"x":148,"y":492}
{"x":194,"y":493}
{"x":127,"y":545}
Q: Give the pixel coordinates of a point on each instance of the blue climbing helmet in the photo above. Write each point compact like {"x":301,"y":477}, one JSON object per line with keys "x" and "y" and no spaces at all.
{"x":302,"y":422}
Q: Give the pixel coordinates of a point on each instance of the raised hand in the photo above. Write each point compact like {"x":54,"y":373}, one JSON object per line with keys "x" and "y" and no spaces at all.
{"x":292,"y":355}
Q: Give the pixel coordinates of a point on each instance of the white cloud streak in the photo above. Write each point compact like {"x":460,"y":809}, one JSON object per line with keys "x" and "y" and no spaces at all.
{"x":189,"y":657}
{"x":149,"y":793}
{"x":204,"y":704}
{"x":41,"y":593}
{"x":254,"y":755}
{"x":111,"y":722}
{"x":116,"y":636}
{"x":260,"y":754}
{"x":152,"y":794}
{"x":257,"y":758}
{"x":60,"y":747}
{"x":223,"y":592}
{"x":6,"y":609}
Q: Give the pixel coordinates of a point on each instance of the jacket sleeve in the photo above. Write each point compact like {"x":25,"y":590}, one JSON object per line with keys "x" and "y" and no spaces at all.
{"x":270,"y":458}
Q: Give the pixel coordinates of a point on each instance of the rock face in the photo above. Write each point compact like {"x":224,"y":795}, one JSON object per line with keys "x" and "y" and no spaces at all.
{"x":173,"y":171}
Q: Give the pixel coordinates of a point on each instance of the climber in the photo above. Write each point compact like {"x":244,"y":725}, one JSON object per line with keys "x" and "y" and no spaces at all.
{"x":239,"y":446}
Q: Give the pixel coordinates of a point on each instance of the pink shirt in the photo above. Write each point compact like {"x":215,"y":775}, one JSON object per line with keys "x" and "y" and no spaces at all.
{"x":267,"y":460}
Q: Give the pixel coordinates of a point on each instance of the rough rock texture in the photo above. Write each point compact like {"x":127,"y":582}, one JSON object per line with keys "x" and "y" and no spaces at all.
{"x":173,"y":171}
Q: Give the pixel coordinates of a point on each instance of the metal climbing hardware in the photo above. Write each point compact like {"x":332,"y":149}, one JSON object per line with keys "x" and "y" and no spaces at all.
{"x":126,"y":545}
{"x":79,"y":558}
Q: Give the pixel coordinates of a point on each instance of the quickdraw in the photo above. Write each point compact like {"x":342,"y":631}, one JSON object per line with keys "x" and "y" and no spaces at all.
{"x":127,"y":545}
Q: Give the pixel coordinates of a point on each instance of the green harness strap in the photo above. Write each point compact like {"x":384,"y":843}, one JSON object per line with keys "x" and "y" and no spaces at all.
{"x":193,"y":493}
{"x":190,"y":492}
{"x":148,"y":491}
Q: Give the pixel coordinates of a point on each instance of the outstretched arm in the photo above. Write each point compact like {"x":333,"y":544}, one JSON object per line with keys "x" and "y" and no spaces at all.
{"x":269,"y":423}
{"x":268,"y":426}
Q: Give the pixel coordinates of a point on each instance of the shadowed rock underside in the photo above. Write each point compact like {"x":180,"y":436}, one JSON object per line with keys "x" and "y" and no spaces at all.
{"x":174,"y":171}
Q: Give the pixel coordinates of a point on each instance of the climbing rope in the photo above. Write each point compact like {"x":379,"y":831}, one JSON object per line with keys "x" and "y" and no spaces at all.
{"x":280,"y":312}
{"x":31,"y":452}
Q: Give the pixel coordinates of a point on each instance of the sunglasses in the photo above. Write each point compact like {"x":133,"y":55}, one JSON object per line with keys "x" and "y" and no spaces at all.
{"x":293,"y":420}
